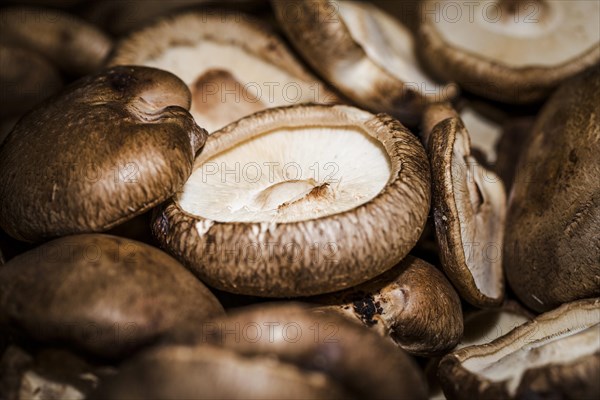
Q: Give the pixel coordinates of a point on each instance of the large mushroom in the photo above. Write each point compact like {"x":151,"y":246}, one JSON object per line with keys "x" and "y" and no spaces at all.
{"x":101,"y":294}
{"x":552,"y":248}
{"x":109,"y":147}
{"x":298,"y":201}
{"x":469,"y":206}
{"x":364,"y":52}
{"x":412,"y":303}
{"x":515,"y":51}
{"x":233,"y":64}
{"x":557,"y":355}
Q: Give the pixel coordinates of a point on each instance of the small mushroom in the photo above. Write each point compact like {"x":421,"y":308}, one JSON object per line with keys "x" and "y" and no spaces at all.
{"x":413,"y":304}
{"x":274,"y":351}
{"x":26,"y":78}
{"x":514,"y":51}
{"x":72,"y":44}
{"x":299,"y":201}
{"x":469,"y":206}
{"x":552,"y":248}
{"x":557,"y":355}
{"x":362,"y":51}
{"x":109,"y":147}
{"x":100,"y":294}
{"x":233,"y":64}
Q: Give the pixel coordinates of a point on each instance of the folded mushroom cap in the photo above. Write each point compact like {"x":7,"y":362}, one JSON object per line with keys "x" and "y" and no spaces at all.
{"x":107,"y":148}
{"x":298,"y":201}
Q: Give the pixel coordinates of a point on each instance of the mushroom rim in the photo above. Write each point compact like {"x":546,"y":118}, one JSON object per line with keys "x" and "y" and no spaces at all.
{"x":468,"y":67}
{"x":456,"y":268}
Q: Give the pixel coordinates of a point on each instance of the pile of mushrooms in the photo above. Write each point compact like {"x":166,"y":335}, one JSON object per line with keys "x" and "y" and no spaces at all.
{"x":299,"y":199}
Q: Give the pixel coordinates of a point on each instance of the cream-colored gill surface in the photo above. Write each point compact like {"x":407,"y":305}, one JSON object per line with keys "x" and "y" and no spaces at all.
{"x":536,"y":33}
{"x":228,"y":83}
{"x":541,"y":349}
{"x":387,"y":42}
{"x":480,"y":202}
{"x":287,"y":175}
{"x":484,"y":133}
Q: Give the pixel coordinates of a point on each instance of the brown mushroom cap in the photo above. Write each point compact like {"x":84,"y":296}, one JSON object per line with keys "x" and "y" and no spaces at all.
{"x":233,"y":64}
{"x":515,"y":51}
{"x":469,"y":206}
{"x":299,"y":233}
{"x":106,"y":149}
{"x":262,"y":347}
{"x":552,"y":253}
{"x":362,"y":51}
{"x":26,"y":79}
{"x":101,"y":294}
{"x":557,"y":355}
{"x":74,"y":45}
{"x":412,"y":303}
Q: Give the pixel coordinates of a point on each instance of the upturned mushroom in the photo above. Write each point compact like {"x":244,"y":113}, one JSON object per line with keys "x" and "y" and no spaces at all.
{"x":75,"y":46}
{"x":299,"y":201}
{"x":552,"y":253}
{"x":273,"y":351}
{"x":557,"y":355}
{"x":413,"y":304}
{"x":364,"y":53}
{"x":100,"y":294}
{"x":514,"y":51}
{"x":107,"y":148}
{"x":469,"y":206}
{"x":233,"y":64}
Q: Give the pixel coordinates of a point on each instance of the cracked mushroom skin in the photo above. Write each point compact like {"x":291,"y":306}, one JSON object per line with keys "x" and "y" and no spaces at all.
{"x":469,"y":207}
{"x":557,"y":355}
{"x":552,"y":248}
{"x":233,"y":64}
{"x":288,"y":350}
{"x":364,"y":53}
{"x":107,"y":148}
{"x":413,"y":304}
{"x":101,"y":294}
{"x":281,"y":231}
{"x":75,"y":46}
{"x":513,"y":51}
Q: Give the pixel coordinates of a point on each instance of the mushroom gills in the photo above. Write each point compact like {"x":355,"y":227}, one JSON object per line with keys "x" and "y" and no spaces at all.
{"x":387,"y":42}
{"x":288,"y":174}
{"x":562,"y":348}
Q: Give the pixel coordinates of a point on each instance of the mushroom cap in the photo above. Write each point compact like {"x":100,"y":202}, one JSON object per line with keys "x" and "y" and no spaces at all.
{"x":507,"y":50}
{"x":273,"y":351}
{"x":364,"y":53}
{"x":104,"y":150}
{"x":469,"y":206}
{"x":412,"y":303}
{"x":304,"y":234}
{"x":557,"y":355}
{"x":233,"y":64}
{"x":72,"y":44}
{"x":101,"y":294}
{"x":554,"y":207}
{"x":26,"y":78}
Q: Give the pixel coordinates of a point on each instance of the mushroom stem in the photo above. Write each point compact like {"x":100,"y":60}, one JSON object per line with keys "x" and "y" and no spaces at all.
{"x":434,"y":114}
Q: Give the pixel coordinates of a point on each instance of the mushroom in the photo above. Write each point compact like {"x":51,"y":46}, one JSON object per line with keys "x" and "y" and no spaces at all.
{"x":274,"y":351}
{"x":554,"y":208}
{"x":72,"y":44}
{"x":413,"y":304}
{"x":26,"y":78}
{"x":299,"y":201}
{"x":234,"y":65}
{"x":469,"y":206}
{"x":557,"y":355}
{"x":109,"y":147}
{"x":362,"y":51}
{"x":514,"y":51}
{"x":100,"y":294}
